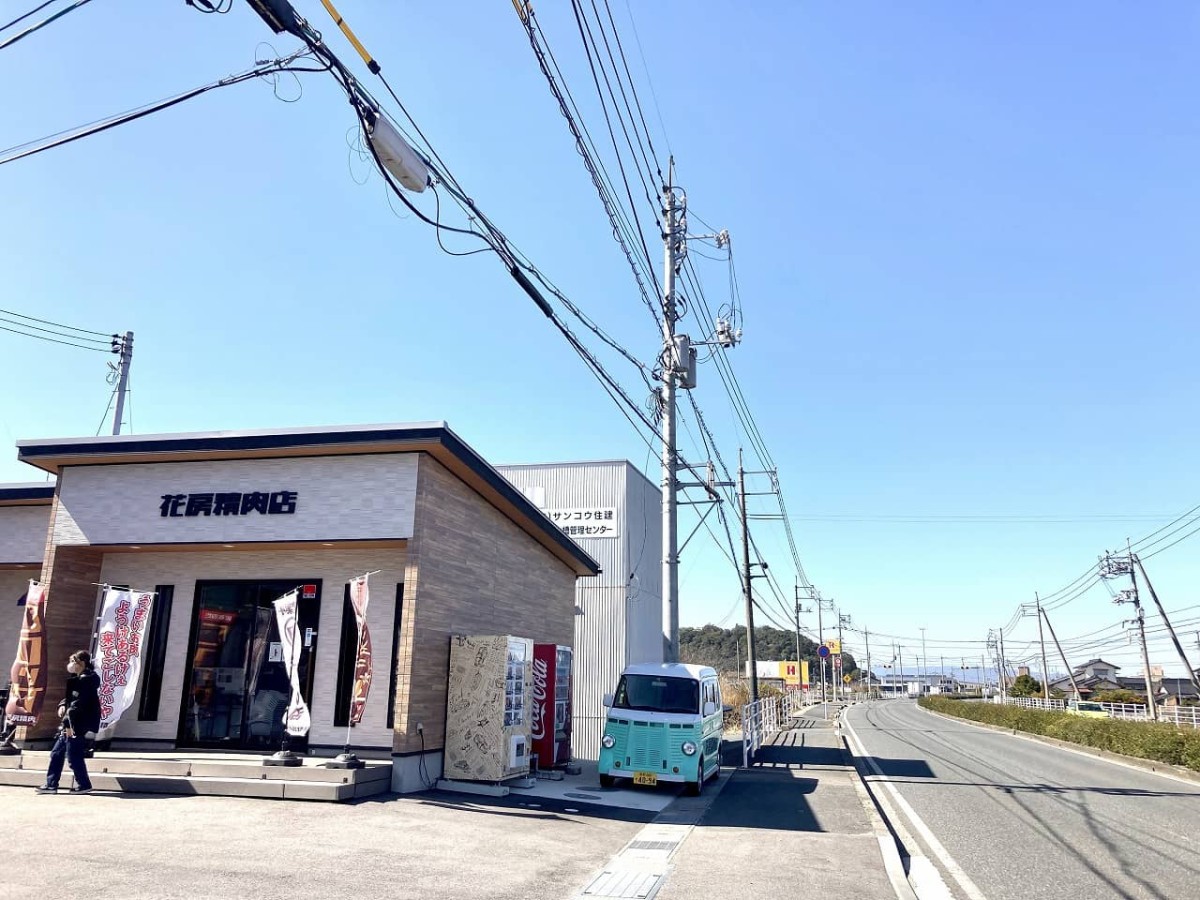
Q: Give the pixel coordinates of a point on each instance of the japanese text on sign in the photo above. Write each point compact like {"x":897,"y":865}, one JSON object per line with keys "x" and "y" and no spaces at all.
{"x":228,"y":504}
{"x":586,"y":522}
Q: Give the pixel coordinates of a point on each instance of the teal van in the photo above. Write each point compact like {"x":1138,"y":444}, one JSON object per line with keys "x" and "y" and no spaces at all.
{"x":664,"y":724}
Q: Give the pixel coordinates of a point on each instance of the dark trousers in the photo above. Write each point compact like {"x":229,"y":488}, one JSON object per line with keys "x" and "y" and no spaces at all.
{"x":69,"y":749}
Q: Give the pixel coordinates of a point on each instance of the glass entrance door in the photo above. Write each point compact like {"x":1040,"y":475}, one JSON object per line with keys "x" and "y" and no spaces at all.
{"x":237,"y":683}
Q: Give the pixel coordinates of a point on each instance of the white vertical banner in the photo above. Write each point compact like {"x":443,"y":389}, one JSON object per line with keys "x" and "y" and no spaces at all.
{"x":296,"y":719}
{"x":123,"y":618}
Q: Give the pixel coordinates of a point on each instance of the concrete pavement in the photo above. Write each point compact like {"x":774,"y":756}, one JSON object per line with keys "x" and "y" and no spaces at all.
{"x":798,"y":822}
{"x":800,"y":817}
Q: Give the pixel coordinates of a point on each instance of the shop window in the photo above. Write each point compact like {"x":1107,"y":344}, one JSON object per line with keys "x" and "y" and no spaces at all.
{"x":156,"y":652}
{"x":347,"y":654}
{"x":397,"y":621}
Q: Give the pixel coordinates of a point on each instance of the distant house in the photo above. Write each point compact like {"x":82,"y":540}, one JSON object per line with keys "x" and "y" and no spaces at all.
{"x":1092,"y":677}
{"x":1177,"y":692}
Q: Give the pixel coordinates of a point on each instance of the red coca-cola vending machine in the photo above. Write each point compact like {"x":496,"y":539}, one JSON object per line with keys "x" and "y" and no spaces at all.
{"x":551,"y":710}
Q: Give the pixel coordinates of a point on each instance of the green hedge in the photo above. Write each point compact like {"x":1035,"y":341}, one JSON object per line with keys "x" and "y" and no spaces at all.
{"x":1159,"y":741}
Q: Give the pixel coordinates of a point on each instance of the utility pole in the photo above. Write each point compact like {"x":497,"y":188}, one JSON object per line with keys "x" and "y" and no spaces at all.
{"x":842,"y":620}
{"x":924,"y":661}
{"x":798,"y":611}
{"x":867,"y":639}
{"x":750,"y":649}
{"x":821,"y":638}
{"x":1042,"y":641}
{"x":1066,"y":665}
{"x":670,"y":511}
{"x":123,"y":347}
{"x":1187,"y":666}
{"x":900,"y":658}
{"x":1003,"y":670}
{"x":1112,"y":567}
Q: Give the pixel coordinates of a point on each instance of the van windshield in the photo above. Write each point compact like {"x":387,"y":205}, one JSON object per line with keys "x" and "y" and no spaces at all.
{"x":656,"y":693}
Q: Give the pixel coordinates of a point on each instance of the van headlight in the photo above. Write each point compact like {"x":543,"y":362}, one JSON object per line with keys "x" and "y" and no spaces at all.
{"x":607,"y":741}
{"x":688,"y":748}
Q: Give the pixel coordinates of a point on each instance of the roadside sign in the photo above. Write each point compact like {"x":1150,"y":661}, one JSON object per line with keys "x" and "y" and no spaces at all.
{"x":847,"y":679}
{"x":822,"y":651}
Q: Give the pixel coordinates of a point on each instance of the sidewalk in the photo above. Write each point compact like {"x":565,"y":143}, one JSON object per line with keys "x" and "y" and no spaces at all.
{"x":799,"y":820}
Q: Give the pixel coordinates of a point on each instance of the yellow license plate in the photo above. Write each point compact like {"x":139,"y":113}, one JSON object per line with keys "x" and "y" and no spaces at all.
{"x":645,"y":778}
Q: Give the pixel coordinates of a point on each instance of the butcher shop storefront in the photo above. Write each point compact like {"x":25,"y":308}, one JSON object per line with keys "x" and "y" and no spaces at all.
{"x":219,"y":526}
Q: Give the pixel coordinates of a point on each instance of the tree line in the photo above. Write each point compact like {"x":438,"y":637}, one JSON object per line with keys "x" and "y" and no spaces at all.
{"x":724,"y":649}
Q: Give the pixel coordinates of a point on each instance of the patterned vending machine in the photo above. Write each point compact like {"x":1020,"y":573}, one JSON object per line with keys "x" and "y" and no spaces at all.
{"x":551,"y":722}
{"x":488,"y":710}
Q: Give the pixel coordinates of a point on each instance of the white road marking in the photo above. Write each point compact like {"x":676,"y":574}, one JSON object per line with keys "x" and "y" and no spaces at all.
{"x":964,"y":881}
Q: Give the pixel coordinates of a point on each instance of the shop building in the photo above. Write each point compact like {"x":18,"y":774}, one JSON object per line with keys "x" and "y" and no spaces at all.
{"x":221,"y":524}
{"x":615,"y":514}
{"x":24,"y":521}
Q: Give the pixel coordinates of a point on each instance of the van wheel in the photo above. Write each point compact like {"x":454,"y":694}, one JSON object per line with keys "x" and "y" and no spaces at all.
{"x":607,"y":781}
{"x":696,"y":788}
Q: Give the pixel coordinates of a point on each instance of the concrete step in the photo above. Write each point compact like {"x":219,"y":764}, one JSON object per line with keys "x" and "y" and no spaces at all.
{"x":224,"y":779}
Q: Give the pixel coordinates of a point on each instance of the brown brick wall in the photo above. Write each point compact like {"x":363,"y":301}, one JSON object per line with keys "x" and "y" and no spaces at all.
{"x":470,"y":571}
{"x":71,"y":575}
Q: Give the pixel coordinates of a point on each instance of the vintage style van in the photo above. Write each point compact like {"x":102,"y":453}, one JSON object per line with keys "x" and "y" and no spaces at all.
{"x":664,"y":723}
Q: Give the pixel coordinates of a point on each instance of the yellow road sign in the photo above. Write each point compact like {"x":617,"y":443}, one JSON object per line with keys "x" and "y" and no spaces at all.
{"x":847,"y":679}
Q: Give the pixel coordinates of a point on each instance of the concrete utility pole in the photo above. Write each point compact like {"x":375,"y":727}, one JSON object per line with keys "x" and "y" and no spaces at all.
{"x":1114,"y":566}
{"x":1042,"y":641}
{"x":798,"y":611}
{"x":750,"y":649}
{"x":840,"y":683}
{"x":123,"y":347}
{"x":670,"y":511}
{"x":821,"y":638}
{"x":900,"y":659}
{"x":867,"y":639}
{"x":1003,"y":669}
{"x":924,"y":661}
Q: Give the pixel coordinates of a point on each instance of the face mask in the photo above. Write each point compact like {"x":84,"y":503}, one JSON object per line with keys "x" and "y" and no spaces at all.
{"x":73,"y":667}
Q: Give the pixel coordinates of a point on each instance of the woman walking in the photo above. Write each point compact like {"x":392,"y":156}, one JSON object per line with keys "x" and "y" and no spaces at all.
{"x":80,"y":714}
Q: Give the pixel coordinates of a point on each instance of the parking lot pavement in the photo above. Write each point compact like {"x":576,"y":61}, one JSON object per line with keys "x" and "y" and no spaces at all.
{"x":585,"y":788}
{"x":432,"y":845}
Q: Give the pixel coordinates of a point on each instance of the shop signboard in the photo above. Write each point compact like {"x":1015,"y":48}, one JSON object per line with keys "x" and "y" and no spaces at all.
{"x":27,"y":691}
{"x":587,"y":522}
{"x":123,"y":618}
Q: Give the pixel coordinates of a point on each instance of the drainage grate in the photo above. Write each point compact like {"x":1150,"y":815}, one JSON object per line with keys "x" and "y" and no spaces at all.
{"x":625,"y":885}
{"x":653,"y":845}
{"x":581,"y":796}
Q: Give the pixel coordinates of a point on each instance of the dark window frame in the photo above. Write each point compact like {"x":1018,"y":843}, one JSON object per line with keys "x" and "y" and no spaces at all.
{"x":158,"y":632}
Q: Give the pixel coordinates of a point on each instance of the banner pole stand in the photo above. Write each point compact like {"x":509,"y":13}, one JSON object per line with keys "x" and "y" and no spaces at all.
{"x":284,"y":755}
{"x":347,"y":758}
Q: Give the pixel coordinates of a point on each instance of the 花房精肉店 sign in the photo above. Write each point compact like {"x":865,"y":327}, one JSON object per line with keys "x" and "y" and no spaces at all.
{"x":228,"y":503}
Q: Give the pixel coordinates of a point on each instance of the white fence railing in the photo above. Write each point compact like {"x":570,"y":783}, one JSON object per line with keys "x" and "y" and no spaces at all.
{"x":1115,"y":710}
{"x":760,"y":720}
{"x":1181,"y":715}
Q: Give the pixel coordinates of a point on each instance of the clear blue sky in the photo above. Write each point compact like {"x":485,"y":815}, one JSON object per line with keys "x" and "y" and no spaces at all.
{"x":966,"y":237}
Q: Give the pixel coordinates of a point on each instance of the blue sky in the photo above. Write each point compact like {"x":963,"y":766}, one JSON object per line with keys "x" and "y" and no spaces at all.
{"x":965,"y":238}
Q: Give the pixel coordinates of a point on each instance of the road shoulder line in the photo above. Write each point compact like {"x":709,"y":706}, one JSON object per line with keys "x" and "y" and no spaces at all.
{"x":956,"y":872}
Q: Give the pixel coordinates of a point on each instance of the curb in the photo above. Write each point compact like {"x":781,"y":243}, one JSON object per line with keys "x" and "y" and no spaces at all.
{"x":893,"y":863}
{"x":1134,"y":762}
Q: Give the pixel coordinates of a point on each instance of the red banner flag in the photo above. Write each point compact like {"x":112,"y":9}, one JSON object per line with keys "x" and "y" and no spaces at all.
{"x":29,"y":672}
{"x":359,"y":598}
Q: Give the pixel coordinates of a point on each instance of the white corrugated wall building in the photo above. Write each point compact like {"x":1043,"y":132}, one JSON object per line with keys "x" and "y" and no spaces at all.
{"x":618,"y":616}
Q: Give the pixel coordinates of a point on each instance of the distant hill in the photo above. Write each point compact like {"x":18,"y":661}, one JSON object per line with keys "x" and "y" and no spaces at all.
{"x":722,"y":648}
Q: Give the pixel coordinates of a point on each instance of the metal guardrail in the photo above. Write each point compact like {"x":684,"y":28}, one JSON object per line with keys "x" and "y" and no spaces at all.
{"x":760,"y":720}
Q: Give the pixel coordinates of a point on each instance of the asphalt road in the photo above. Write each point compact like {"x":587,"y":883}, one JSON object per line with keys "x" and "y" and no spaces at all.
{"x":1025,"y":820}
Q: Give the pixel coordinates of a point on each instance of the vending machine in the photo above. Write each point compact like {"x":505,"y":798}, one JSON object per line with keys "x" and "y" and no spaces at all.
{"x":488,"y":711}
{"x":550,"y":727}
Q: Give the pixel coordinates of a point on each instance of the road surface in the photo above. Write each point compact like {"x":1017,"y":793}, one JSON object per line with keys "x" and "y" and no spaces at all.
{"x":1023,"y":820}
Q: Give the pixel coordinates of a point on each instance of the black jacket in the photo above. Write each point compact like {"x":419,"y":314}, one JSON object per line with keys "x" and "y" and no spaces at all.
{"x":83,"y":702}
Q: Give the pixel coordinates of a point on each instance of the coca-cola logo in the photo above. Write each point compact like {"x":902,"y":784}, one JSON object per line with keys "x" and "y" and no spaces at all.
{"x":538,"y":723}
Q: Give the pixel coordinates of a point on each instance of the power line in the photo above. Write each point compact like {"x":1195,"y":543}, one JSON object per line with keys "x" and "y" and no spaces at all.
{"x":55,"y":340}
{"x":37,"y":26}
